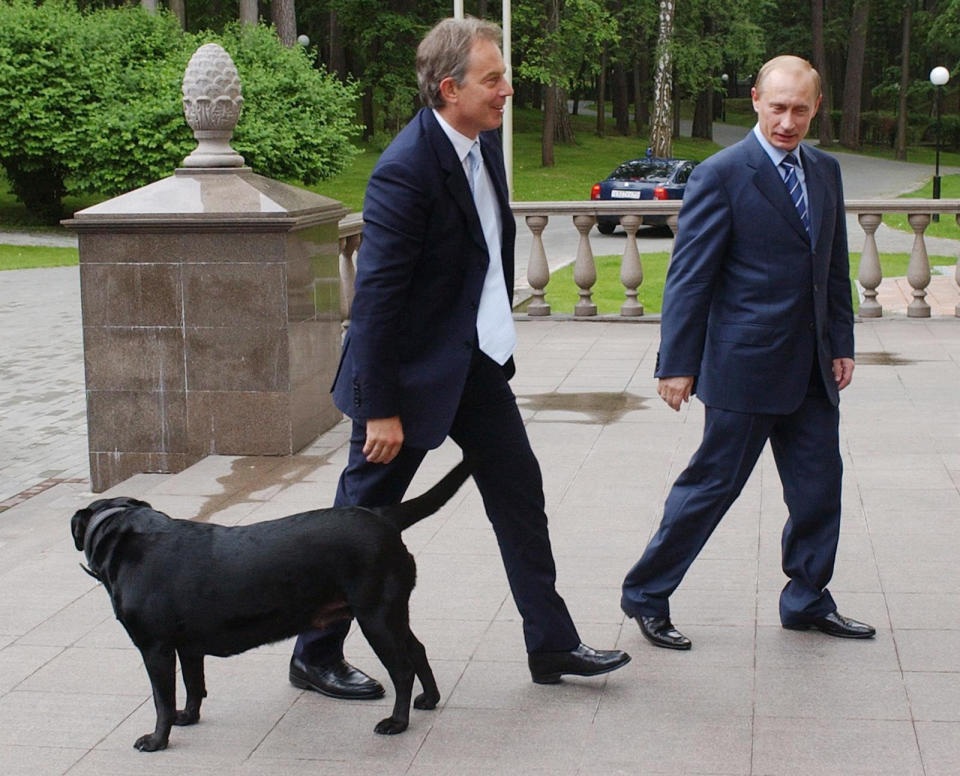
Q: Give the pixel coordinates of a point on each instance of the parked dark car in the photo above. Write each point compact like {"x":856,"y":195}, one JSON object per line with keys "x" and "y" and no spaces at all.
{"x":646,"y":178}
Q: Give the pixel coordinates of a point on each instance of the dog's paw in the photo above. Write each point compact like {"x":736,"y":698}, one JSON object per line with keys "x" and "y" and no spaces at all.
{"x":150,"y":743}
{"x":425,"y":701}
{"x":186,"y":718}
{"x":390,"y":726}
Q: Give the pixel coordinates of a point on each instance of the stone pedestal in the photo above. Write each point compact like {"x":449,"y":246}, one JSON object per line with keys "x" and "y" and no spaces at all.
{"x":210,"y":320}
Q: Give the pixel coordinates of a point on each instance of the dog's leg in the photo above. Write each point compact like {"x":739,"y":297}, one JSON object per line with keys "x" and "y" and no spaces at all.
{"x":391,"y":651}
{"x":161,"y":665}
{"x":192,"y":666}
{"x":430,"y":696}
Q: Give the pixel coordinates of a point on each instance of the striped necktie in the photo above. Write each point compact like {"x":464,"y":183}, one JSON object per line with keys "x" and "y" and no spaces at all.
{"x":789,"y":165}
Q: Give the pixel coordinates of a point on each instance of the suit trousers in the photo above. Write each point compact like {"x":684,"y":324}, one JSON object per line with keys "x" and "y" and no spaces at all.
{"x":489,"y":429}
{"x":806,"y":450}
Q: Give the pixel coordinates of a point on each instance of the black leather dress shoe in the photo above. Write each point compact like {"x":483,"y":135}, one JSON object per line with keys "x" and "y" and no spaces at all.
{"x":337,"y":680}
{"x":660,"y":632}
{"x":548,"y":667}
{"x":835,"y":624}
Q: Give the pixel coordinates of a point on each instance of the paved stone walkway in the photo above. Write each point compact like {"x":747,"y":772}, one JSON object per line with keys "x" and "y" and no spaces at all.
{"x":750,"y":698}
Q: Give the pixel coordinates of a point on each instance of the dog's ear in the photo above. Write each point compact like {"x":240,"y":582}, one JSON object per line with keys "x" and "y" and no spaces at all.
{"x":81,"y":518}
{"x":78,"y":526}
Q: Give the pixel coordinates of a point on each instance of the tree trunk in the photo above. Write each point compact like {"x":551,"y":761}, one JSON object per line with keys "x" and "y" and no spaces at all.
{"x":285,"y":21}
{"x":550,"y":91}
{"x":179,"y":9}
{"x":661,"y":126}
{"x":825,"y":128}
{"x":676,"y":113}
{"x":549,"y":125}
{"x":602,"y":95}
{"x":368,"y":117}
{"x":853,"y":81}
{"x":563,"y":129}
{"x":901,"y":143}
{"x":641,"y":77}
{"x":249,"y":13}
{"x":621,"y":101}
{"x":703,"y":115}
{"x":336,"y":58}
{"x":149,"y":5}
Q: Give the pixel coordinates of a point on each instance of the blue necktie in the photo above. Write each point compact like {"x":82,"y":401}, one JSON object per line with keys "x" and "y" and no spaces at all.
{"x":789,"y":165}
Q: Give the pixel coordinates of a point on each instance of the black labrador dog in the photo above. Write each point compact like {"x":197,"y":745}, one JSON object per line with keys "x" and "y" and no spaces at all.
{"x":195,"y":589}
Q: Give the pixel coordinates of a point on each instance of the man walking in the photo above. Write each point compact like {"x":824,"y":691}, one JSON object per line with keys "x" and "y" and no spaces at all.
{"x":758,"y":322}
{"x":429,"y":349}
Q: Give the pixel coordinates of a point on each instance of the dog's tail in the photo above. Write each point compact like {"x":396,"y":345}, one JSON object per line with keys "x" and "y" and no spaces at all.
{"x":416,"y":509}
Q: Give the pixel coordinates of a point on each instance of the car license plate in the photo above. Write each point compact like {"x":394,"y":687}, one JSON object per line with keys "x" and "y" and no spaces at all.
{"x":620,"y":194}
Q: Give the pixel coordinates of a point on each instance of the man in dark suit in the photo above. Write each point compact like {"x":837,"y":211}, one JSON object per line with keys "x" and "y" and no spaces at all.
{"x":757,"y":321}
{"x":429,"y":348}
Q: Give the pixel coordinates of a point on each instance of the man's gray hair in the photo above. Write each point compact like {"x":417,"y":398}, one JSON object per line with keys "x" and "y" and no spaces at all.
{"x":445,"y":53}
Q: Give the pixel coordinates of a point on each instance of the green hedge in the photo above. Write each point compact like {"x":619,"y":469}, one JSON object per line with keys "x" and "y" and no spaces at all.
{"x":91,"y":102}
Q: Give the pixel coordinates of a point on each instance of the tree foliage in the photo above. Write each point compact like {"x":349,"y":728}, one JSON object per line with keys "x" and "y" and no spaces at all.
{"x":90,"y":102}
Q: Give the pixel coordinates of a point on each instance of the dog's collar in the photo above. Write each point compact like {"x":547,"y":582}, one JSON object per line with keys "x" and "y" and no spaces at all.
{"x":92,"y":527}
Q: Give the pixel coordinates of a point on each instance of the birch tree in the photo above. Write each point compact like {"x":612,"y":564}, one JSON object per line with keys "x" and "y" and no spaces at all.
{"x":661,"y":126}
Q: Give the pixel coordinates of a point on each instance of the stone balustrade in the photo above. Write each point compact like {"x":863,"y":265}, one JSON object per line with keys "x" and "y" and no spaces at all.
{"x":537,"y":215}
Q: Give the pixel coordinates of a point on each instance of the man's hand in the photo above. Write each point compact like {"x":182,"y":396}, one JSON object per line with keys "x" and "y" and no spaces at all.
{"x":842,"y":372}
{"x":675,"y":390}
{"x":384,"y":439}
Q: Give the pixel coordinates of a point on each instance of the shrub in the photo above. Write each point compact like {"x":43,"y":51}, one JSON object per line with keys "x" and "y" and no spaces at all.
{"x":91,"y":102}
{"x":46,"y":98}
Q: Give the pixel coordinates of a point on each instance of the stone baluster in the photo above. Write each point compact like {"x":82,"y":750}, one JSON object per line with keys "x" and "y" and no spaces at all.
{"x":918,"y":271}
{"x":538,"y":271}
{"x":631,"y":270}
{"x":349,"y":246}
{"x":870,"y":273}
{"x":585,"y":269}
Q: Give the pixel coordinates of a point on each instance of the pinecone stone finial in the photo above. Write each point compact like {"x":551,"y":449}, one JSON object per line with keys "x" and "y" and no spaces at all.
{"x":212,"y":103}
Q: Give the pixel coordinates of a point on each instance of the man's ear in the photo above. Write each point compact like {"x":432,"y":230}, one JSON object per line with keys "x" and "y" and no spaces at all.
{"x":449,"y":89}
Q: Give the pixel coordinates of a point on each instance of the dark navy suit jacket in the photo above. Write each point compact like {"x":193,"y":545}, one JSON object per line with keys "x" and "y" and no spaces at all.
{"x":750,"y":305}
{"x":420,"y":272}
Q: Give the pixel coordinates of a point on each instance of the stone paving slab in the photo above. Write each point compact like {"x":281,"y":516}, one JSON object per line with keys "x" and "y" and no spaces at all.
{"x":750,"y":698}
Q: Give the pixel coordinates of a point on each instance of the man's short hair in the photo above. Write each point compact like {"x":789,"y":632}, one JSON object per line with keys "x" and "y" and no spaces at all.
{"x":789,"y":63}
{"x":445,"y":53}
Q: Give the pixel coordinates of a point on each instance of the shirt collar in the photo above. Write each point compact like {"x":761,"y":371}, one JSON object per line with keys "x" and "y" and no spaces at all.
{"x":776,"y":155}
{"x":461,"y":143}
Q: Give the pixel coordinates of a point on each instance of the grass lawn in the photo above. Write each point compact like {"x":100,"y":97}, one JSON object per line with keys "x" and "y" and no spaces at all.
{"x":608,"y":293}
{"x":947,"y":225}
{"x":577,"y":167}
{"x":32,"y":256}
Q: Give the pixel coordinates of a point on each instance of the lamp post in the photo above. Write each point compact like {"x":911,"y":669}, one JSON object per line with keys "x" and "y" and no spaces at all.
{"x":723,"y":98}
{"x":938,"y":77}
